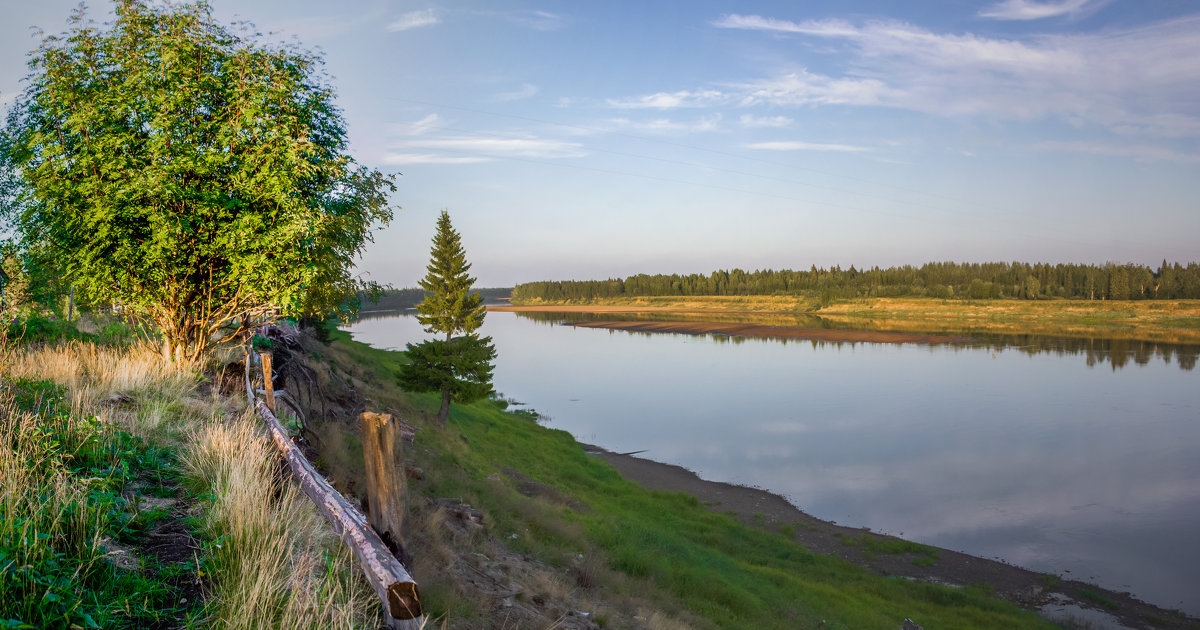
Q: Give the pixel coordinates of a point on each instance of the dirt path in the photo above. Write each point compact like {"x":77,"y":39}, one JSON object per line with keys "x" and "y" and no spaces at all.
{"x":1103,"y":609}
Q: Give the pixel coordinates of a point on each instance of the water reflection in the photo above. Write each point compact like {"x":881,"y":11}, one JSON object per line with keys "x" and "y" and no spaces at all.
{"x":1116,"y":352}
{"x":1010,"y":447}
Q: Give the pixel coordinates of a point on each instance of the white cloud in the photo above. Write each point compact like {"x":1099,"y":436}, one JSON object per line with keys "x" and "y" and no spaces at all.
{"x":805,"y":88}
{"x":1141,"y":153}
{"x":5,"y":99}
{"x":414,"y":19}
{"x":795,"y":145}
{"x":1032,"y":10}
{"x":496,"y":146}
{"x":1143,"y":80}
{"x":418,"y":127}
{"x":664,"y":100}
{"x":527,"y":90}
{"x":400,"y":159}
{"x":755,"y":122}
{"x":660,"y":125}
{"x":539,"y":20}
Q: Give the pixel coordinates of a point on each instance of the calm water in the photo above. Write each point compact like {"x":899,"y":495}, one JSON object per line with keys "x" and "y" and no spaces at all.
{"x":1076,"y":461}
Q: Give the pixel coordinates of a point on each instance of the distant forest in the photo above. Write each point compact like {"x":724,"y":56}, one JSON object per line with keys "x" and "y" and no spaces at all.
{"x":945,"y":280}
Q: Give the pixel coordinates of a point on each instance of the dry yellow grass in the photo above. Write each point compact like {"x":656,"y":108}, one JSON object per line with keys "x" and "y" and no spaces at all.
{"x":1170,"y":321}
{"x":275,"y":562}
{"x":279,"y":565}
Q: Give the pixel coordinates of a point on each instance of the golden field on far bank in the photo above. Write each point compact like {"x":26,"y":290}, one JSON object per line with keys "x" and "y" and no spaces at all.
{"x":1168,"y":321}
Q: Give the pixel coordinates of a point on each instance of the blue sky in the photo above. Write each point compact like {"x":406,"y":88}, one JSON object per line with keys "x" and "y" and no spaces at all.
{"x":601,"y":139}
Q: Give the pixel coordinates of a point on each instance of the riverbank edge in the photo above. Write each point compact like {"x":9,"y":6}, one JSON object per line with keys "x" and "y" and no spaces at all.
{"x":1026,"y":588}
{"x":1161,"y":321}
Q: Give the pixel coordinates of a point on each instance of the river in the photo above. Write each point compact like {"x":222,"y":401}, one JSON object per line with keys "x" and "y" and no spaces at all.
{"x":1076,"y":458}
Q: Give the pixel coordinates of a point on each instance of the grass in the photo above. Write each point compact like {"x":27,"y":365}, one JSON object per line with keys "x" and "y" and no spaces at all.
{"x":96,"y":445}
{"x":661,"y":551}
{"x":62,"y":483}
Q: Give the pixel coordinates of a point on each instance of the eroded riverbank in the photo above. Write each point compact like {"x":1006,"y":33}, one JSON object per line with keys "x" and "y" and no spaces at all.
{"x":891,"y":556}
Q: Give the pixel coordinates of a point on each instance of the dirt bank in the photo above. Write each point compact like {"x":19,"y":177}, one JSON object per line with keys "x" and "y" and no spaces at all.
{"x":870,"y":550}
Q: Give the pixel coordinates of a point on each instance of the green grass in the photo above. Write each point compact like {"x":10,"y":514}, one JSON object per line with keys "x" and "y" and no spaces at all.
{"x":1093,"y":596}
{"x":663,"y":546}
{"x":62,"y":483}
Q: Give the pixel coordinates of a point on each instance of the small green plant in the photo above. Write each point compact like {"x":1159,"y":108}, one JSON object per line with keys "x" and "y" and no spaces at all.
{"x":1049,"y":581}
{"x":261,"y":343}
{"x":1097,"y":598}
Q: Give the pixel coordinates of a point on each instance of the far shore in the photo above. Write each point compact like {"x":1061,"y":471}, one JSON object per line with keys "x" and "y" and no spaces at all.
{"x":1159,"y":321}
{"x":773,"y":332}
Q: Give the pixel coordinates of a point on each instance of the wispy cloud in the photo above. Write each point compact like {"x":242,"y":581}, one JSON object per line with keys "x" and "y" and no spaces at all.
{"x":414,"y":19}
{"x":418,"y":127}
{"x":536,"y":20}
{"x":664,"y":125}
{"x":527,"y":90}
{"x":539,"y":20}
{"x":1139,"y":152}
{"x":401,"y":159}
{"x":481,"y":146}
{"x":751,"y":121}
{"x":664,"y":100}
{"x":795,"y":145}
{"x":1033,"y":10}
{"x":1143,"y":80}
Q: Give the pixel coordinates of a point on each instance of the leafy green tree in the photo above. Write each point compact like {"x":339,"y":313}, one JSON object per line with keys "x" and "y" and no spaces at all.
{"x":460,"y":367}
{"x":193,"y":176}
{"x":1118,"y":284}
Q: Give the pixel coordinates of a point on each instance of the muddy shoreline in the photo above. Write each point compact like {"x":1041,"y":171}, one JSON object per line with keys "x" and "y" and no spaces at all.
{"x":1057,"y":597}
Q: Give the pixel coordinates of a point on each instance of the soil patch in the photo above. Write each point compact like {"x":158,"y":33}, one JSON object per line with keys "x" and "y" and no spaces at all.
{"x":889,"y":555}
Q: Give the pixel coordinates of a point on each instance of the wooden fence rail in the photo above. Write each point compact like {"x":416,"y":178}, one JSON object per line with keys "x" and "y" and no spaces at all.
{"x":393,"y":585}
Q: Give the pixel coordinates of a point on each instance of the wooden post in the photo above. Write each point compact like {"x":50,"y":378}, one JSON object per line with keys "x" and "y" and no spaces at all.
{"x":391,"y":581}
{"x":268,"y":387}
{"x":383,"y":456}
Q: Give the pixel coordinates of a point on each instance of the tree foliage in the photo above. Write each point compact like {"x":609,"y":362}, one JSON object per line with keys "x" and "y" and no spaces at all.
{"x":460,"y":367}
{"x":191,"y":175}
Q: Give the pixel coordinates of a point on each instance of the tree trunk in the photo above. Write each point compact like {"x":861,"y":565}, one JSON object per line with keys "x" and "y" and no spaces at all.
{"x":444,"y":412}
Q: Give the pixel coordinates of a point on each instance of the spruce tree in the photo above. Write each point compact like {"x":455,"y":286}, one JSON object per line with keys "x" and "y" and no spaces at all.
{"x":449,"y":306}
{"x":460,"y":367}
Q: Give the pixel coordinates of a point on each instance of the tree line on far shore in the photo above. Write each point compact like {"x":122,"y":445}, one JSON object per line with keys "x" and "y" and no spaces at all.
{"x":944,"y":280}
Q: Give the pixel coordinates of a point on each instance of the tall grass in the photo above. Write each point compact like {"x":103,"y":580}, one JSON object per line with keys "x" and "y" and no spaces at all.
{"x":277,"y":563}
{"x":271,"y":561}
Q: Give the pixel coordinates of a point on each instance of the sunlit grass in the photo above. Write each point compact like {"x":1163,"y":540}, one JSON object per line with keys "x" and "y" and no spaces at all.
{"x":269,"y":559}
{"x":276,"y":564}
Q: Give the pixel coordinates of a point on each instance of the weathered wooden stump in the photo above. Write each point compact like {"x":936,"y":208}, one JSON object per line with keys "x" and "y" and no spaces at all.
{"x":383,"y":459}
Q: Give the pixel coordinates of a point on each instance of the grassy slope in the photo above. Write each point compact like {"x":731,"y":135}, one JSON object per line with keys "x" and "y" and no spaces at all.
{"x":1173,"y":321}
{"x":108,"y":458}
{"x":661,"y":547}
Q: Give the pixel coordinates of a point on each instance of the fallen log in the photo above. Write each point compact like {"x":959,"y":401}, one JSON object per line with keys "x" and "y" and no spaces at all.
{"x":392,"y":583}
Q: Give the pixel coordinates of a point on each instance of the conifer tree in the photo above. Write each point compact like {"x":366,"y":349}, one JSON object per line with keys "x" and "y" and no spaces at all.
{"x":449,"y":306}
{"x":460,"y":367}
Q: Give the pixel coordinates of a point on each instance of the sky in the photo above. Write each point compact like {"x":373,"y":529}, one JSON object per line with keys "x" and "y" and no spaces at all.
{"x":588,"y":140}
